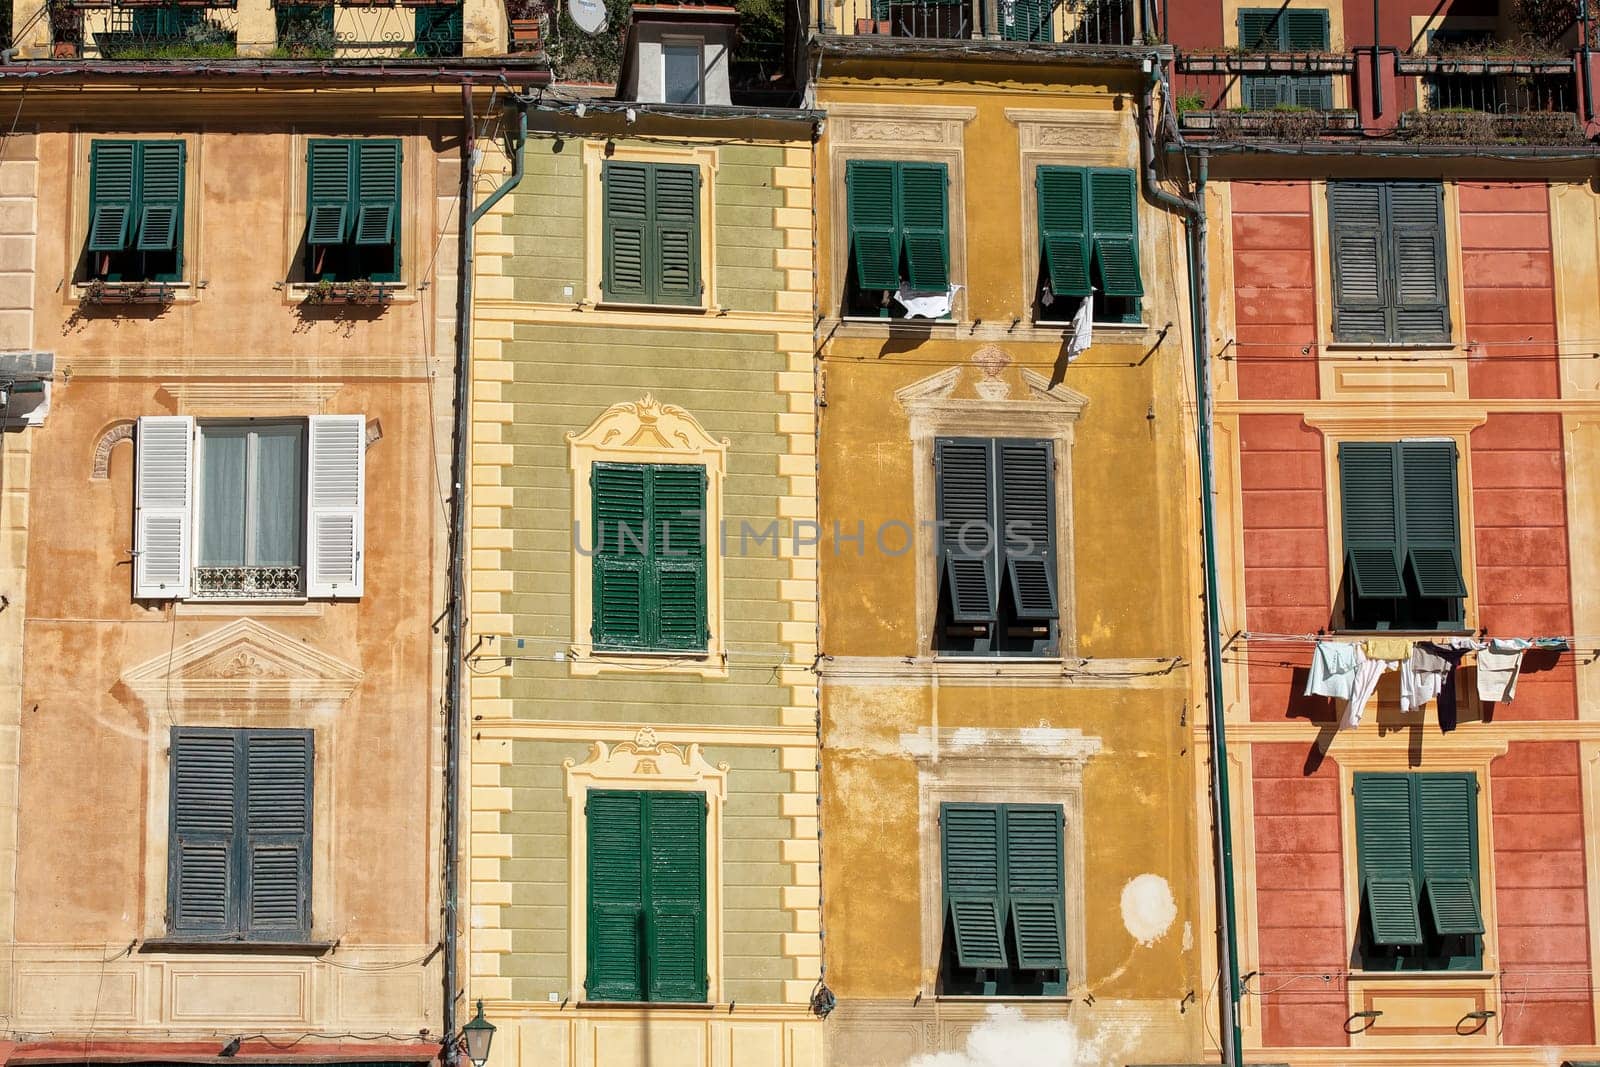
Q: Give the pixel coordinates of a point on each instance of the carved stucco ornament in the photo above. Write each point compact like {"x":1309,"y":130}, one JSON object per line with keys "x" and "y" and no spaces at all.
{"x":240,"y":665}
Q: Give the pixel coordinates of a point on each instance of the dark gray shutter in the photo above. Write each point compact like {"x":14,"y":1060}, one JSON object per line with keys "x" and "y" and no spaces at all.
{"x":625,"y":211}
{"x":1417,"y":262}
{"x":277,"y":814}
{"x":202,"y":839}
{"x":1369,"y":477}
{"x":1360,"y":274}
{"x":675,"y":222}
{"x":1027,"y":526}
{"x":969,"y":557}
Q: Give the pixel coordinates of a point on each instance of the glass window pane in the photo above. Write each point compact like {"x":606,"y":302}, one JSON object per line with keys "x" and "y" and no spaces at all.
{"x":681,"y":78}
{"x":222,"y":452}
{"x":277,"y":497}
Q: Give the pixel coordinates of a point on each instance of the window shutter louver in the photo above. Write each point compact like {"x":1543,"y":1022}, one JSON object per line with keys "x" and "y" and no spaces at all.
{"x":874,"y":222}
{"x":336,"y":494}
{"x":678,"y":554}
{"x":201,"y":843}
{"x":112,"y":167}
{"x":278,"y":805}
{"x":160,"y":194}
{"x":1259,"y":30}
{"x":675,"y":915}
{"x":1027,"y":526}
{"x":1304,"y":31}
{"x":1416,"y":225}
{"x":1025,"y":20}
{"x":622,"y":538}
{"x":1432,"y":538}
{"x":675,"y":192}
{"x":163,"y":503}
{"x":1368,"y":479}
{"x":1360,"y":255}
{"x":377,"y":207}
{"x":968,"y":546}
{"x":970,"y":837}
{"x":1384,"y":833}
{"x":1448,"y":807}
{"x":925,"y":226}
{"x":1064,"y":228}
{"x":626,"y":207}
{"x":1033,"y":864}
{"x":1113,"y":199}
{"x":615,"y":823}
{"x":329,"y":174}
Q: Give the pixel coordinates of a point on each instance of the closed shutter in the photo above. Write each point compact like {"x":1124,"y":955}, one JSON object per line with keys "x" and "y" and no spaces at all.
{"x":377,"y":188}
{"x":925,"y":225}
{"x":626,"y":211}
{"x":675,"y":227}
{"x":1304,"y":30}
{"x":675,"y":919}
{"x":335,"y":501}
{"x":112,"y":167}
{"x":1113,"y":204}
{"x":163,"y":502}
{"x":969,"y":554}
{"x":277,"y":809}
{"x":971,"y":843}
{"x":202,"y":842}
{"x":1417,"y":258}
{"x":1027,"y":526}
{"x":1025,"y":20}
{"x":678,"y":555}
{"x":615,"y":822}
{"x":1259,"y":30}
{"x":1385,"y":828}
{"x":1360,"y":258}
{"x":1449,"y":846}
{"x":330,"y":189}
{"x":160,"y":195}
{"x":1428,"y":497}
{"x":1064,"y":228}
{"x":1033,"y":865}
{"x":1368,"y":481}
{"x":621,"y":538}
{"x":873,"y":211}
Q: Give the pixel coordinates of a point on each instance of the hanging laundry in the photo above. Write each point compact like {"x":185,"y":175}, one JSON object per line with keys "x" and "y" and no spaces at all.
{"x":1552,"y":644}
{"x":1333,"y":670}
{"x":1392,"y":649}
{"x":1368,"y":671}
{"x":1509,"y":644}
{"x":1498,"y":667}
{"x":1422,"y":677}
{"x":1452,"y":651}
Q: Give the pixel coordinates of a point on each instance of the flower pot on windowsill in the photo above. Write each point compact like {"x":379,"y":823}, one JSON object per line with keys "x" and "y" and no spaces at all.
{"x":101,"y":292}
{"x":524,"y":35}
{"x":349,"y":294}
{"x":65,"y":50}
{"x":872,"y":26}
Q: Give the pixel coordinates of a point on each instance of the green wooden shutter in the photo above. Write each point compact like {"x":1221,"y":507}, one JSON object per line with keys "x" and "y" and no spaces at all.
{"x":621,"y":540}
{"x":161,"y":165}
{"x":1027,"y":527}
{"x":615,"y":822}
{"x":678,"y":556}
{"x":202,"y":872}
{"x":925,"y":225}
{"x":1025,"y":20}
{"x":1114,"y":212}
{"x":329,"y":189}
{"x":675,"y":231}
{"x":970,"y":836}
{"x":969,"y":556}
{"x":438,"y":30}
{"x":112,"y":169}
{"x":1304,"y":30}
{"x":1432,"y":536}
{"x":377,"y":192}
{"x":277,"y":820}
{"x":675,"y":915}
{"x":1369,"y":478}
{"x":626,"y":211}
{"x":1033,"y":865}
{"x":873,"y":215}
{"x":1448,"y":805}
{"x":1360,"y":261}
{"x":1417,"y":262}
{"x":1260,"y":30}
{"x":1064,"y":227}
{"x":1385,"y":828}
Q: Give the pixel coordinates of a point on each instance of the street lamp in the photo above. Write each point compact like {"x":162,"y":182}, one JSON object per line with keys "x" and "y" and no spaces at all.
{"x":478,"y":1035}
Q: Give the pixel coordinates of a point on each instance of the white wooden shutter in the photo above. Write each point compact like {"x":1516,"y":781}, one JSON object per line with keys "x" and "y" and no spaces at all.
{"x":163,"y":493}
{"x":334,"y":500}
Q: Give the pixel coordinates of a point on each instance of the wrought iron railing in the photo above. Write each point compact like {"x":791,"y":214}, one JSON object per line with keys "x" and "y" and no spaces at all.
{"x":248,"y":583}
{"x":1083,"y":22}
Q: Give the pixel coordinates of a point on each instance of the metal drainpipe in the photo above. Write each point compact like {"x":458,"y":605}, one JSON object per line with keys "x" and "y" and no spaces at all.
{"x":1194,"y":213}
{"x":1377,"y":67}
{"x":460,"y":447}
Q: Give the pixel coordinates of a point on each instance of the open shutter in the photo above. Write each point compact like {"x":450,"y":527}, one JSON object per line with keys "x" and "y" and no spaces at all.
{"x":1025,"y":20}
{"x":1114,"y":211}
{"x":1416,"y":253}
{"x":1360,"y":256}
{"x":160,"y":194}
{"x":1368,"y":485}
{"x":925,"y":225}
{"x":201,"y":848}
{"x":970,"y":846}
{"x":1033,"y":885}
{"x":1448,"y":805}
{"x":163,"y":535}
{"x":1385,"y":830}
{"x":626,"y":210}
{"x":1064,"y":227}
{"x":1027,"y":526}
{"x":675,"y":194}
{"x":621,"y":558}
{"x":334,"y":506}
{"x":1428,"y":496}
{"x":678,"y":554}
{"x":329,"y":174}
{"x":968,"y":549}
{"x":277,"y":810}
{"x":377,"y":192}
{"x":112,"y":169}
{"x":874,"y":222}
{"x":675,"y":917}
{"x":616,"y":895}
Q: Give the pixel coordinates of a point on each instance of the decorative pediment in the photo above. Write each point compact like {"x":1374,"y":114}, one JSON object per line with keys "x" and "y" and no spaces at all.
{"x":646,"y":763}
{"x":241,"y":664}
{"x":991,"y":382}
{"x":648,"y":426}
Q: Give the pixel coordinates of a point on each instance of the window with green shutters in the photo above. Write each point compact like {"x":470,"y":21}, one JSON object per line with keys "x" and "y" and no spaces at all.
{"x":239,"y":844}
{"x":1417,"y":861}
{"x":898,"y":218}
{"x":649,"y":556}
{"x":1088,"y":242}
{"x":1004,"y":904}
{"x":438,"y":30}
{"x":651,"y":224}
{"x":646,"y":896}
{"x":1389,"y":281}
{"x":1402,"y":541}
{"x":997,"y":555}
{"x":1281,"y":29}
{"x":136,"y":191}
{"x":352,"y":210}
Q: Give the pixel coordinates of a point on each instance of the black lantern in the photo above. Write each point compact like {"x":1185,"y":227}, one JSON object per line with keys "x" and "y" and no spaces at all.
{"x":477,"y":1036}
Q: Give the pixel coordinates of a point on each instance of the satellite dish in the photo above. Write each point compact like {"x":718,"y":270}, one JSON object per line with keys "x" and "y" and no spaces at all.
{"x":590,"y":15}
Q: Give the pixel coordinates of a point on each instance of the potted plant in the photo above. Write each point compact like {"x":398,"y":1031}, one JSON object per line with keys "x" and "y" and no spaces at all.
{"x":524,"y":19}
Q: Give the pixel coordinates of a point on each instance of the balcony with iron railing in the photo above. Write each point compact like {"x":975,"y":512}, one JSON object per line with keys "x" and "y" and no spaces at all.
{"x":1070,"y":22}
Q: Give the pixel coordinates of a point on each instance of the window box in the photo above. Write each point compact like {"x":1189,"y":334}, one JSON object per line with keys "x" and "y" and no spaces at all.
{"x":99,"y":292}
{"x":524,"y":35}
{"x":356,"y":293}
{"x":873,"y":26}
{"x":1265,"y":63}
{"x":1491,"y":65}
{"x":1279,"y":124}
{"x":1483,"y":127}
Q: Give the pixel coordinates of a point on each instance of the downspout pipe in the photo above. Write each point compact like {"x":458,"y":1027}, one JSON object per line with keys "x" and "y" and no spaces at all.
{"x":1194,"y":213}
{"x":461,"y":442}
